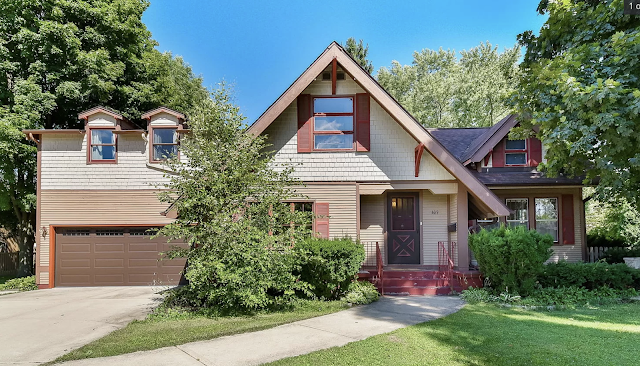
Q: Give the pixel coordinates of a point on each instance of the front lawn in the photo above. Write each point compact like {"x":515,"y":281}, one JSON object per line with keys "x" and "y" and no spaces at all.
{"x":168,"y":328}
{"x":487,"y":335}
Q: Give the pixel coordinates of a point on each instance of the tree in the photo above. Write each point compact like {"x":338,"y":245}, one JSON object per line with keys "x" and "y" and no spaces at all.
{"x":441,"y":90}
{"x":60,"y":57}
{"x":229,"y":199}
{"x":359,"y":52}
{"x":581,"y":89}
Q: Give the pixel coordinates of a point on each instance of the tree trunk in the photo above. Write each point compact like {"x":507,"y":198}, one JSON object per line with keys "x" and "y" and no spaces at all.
{"x":26,"y":242}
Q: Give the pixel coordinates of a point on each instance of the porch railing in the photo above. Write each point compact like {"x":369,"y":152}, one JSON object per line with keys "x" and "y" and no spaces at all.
{"x":380,"y":268}
{"x":445,"y":263}
{"x":373,"y":258}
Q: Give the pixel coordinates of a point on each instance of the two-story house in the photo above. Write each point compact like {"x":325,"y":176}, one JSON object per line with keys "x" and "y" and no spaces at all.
{"x":371,"y":172}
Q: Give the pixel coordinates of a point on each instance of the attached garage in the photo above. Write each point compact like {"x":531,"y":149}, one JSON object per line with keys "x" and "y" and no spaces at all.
{"x":114,"y":256}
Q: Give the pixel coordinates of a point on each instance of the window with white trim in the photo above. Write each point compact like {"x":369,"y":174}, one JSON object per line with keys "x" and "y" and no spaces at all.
{"x":520,"y":215}
{"x":547,"y":216}
{"x":515,"y":152}
{"x":333,"y":123}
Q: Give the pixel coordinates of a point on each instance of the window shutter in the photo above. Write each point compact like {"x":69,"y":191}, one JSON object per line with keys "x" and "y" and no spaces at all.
{"x":305,"y":123}
{"x":568,"y":232}
{"x":363,"y":129}
{"x":535,"y":152}
{"x":322,"y":220}
{"x":498,"y":155}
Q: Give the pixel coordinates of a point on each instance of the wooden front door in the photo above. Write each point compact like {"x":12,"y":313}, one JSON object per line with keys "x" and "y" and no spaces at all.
{"x":403,"y":246}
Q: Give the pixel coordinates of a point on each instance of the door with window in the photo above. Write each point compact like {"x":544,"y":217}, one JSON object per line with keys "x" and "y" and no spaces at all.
{"x":403,"y":224}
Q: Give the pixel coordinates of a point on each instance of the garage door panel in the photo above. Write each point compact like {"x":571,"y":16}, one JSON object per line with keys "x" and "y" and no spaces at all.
{"x":113,"y":257}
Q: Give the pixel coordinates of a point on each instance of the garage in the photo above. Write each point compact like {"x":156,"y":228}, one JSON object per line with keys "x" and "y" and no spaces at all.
{"x":114,"y":256}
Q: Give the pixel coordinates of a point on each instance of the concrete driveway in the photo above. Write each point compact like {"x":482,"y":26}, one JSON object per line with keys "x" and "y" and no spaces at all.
{"x":39,"y":326}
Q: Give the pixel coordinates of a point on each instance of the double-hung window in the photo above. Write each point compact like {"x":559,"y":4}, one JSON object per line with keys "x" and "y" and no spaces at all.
{"x":547,"y":216}
{"x":102,"y":145}
{"x":164,"y":143}
{"x":333,"y":123}
{"x":520,"y":215}
{"x":515,"y":152}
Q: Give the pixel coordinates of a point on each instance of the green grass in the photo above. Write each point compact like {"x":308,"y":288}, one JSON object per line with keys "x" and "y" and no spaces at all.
{"x":171,"y":328}
{"x":488,"y":335}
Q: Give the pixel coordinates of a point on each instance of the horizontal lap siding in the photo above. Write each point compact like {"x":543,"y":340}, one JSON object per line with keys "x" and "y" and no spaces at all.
{"x":453,"y":218}
{"x":342,"y":206}
{"x":434,"y":218}
{"x":372,"y":222}
{"x":95,"y":207}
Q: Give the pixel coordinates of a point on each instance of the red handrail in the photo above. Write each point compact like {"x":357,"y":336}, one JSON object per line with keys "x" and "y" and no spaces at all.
{"x":380,"y":267}
{"x":445,"y":263}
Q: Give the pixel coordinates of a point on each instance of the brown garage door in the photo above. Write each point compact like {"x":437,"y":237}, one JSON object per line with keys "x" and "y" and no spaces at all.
{"x":114,"y":257}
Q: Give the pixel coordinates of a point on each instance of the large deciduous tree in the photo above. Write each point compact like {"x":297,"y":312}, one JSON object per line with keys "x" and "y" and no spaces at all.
{"x":581,"y":87}
{"x":229,"y":196}
{"x":442,"y":90}
{"x":59,"y":57}
{"x":359,"y":52}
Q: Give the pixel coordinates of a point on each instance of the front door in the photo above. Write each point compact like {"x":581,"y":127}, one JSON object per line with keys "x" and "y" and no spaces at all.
{"x":403,"y":225}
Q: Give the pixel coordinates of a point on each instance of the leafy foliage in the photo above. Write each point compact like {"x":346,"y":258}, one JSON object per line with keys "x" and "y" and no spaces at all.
{"x":612,"y":223}
{"x":361,"y":293}
{"x":581,"y":88}
{"x":60,"y":57}
{"x":20,"y":284}
{"x":617,"y":255}
{"x":228,"y":195}
{"x":511,"y":257}
{"x":359,"y":52}
{"x":590,"y":275}
{"x":441,"y":90}
{"x":329,"y":265}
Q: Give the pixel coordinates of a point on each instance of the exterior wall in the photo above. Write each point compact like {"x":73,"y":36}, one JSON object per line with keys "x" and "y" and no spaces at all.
{"x":453,"y":218}
{"x":372,"y":222}
{"x":569,"y":253}
{"x":342,"y":206}
{"x":391,"y":156}
{"x":94,"y":207}
{"x":64,"y":165}
{"x":434,"y":219}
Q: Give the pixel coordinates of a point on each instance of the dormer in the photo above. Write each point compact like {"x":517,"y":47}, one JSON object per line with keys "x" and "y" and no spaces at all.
{"x":164,"y":126}
{"x":100,"y":123}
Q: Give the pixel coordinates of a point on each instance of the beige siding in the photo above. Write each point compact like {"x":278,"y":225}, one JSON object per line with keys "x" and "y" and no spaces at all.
{"x":570,"y":253}
{"x":342,"y":206}
{"x":453,"y":218}
{"x":435,"y":217}
{"x":94,"y":207}
{"x":372,"y":225}
{"x":391,"y":156}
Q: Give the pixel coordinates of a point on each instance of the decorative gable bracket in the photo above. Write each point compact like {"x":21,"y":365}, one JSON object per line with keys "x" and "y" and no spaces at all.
{"x":418,"y":157}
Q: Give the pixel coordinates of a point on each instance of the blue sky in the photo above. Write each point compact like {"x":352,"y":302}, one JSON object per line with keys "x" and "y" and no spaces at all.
{"x":261,"y":47}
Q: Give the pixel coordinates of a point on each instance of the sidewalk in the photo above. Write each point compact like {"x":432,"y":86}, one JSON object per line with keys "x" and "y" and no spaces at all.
{"x":386,"y":315}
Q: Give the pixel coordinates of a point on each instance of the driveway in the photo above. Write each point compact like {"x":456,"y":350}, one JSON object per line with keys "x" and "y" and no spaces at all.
{"x":39,"y":326}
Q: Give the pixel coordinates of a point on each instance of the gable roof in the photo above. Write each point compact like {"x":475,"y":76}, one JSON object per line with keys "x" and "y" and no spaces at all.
{"x":485,"y":143}
{"x":100,"y":109}
{"x":148,"y":114}
{"x":457,"y":140}
{"x":494,"y":206}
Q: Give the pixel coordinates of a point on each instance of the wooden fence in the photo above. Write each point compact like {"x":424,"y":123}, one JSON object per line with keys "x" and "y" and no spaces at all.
{"x":595,"y":253}
{"x":8,"y":264}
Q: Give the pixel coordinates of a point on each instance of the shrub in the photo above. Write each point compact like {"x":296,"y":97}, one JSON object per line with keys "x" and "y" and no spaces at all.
{"x":617,"y":255}
{"x":476,"y":295}
{"x":362,"y":293}
{"x":590,"y":275}
{"x":598,"y":239}
{"x":575,"y":295}
{"x":511,"y":257}
{"x":329,"y":265}
{"x":20,"y":284}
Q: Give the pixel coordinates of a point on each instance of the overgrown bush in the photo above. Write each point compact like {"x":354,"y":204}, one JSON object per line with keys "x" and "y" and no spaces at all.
{"x":476,"y":295}
{"x":511,"y":257}
{"x":329,"y":265}
{"x":617,"y":255}
{"x":361,"y":293}
{"x":589,"y":275}
{"x":20,"y":284}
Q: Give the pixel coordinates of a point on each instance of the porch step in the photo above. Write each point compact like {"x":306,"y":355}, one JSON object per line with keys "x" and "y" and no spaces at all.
{"x":417,"y":290}
{"x":412,"y":274}
{"x":414,"y":282}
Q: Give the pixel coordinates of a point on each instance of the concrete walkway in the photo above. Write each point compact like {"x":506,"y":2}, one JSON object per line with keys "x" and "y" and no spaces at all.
{"x":386,"y":315}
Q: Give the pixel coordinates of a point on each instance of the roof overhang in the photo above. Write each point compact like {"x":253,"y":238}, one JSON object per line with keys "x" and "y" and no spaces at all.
{"x":494,"y":205}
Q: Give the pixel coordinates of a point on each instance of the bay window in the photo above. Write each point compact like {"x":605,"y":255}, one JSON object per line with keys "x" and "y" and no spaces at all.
{"x":333,"y":123}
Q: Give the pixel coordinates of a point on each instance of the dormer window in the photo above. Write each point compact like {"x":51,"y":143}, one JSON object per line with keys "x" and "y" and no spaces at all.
{"x":516,"y":152}
{"x":102,"y":142}
{"x":164,"y":143}
{"x":333,"y":123}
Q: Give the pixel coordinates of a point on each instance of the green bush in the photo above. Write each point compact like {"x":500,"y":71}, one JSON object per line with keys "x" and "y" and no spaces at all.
{"x":511,"y":257}
{"x":589,"y":275}
{"x":20,"y":284}
{"x":328,"y":266}
{"x":362,"y":293}
{"x":476,"y":295}
{"x":597,"y":239}
{"x":617,"y":255}
{"x":576,"y":296}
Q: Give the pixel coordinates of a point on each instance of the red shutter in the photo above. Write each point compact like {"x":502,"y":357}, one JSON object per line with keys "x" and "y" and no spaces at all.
{"x":535,"y":152}
{"x":322,"y":220}
{"x":305,"y":123}
{"x":363,"y":130}
{"x":568,"y":232}
{"x":497,"y":157}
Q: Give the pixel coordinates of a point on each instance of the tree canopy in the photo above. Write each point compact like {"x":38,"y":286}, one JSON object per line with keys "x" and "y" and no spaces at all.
{"x":359,"y":52}
{"x":60,"y":57}
{"x":442,"y":90}
{"x":581,"y":88}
